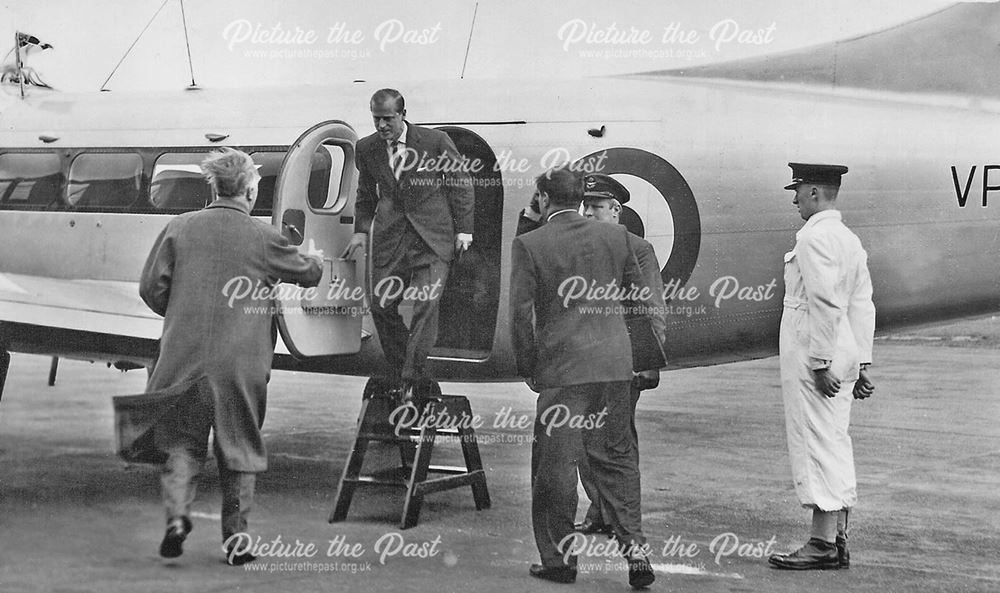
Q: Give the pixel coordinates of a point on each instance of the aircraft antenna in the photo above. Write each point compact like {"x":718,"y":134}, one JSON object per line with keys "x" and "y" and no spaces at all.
{"x":20,"y":65}
{"x":187,"y":43}
{"x":129,"y":50}
{"x":469,"y":44}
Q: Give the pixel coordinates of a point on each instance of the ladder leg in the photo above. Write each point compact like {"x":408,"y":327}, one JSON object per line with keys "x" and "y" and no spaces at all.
{"x":4,"y":365}
{"x":474,"y":463}
{"x":352,"y":469}
{"x":53,"y":368}
{"x":414,"y":495}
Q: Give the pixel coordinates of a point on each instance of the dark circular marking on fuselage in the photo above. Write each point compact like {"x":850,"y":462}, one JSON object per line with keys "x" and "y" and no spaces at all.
{"x":632,"y":221}
{"x":671,"y":184}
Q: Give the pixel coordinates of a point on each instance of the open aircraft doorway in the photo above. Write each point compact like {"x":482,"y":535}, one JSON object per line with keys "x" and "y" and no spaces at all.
{"x":471,"y":299}
{"x":677,"y":242}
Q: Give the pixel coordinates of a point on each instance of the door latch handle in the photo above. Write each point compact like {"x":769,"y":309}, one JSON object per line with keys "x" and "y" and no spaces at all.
{"x":293,"y":233}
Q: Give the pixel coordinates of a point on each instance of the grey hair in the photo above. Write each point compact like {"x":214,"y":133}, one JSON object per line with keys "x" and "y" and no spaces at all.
{"x":229,"y":171}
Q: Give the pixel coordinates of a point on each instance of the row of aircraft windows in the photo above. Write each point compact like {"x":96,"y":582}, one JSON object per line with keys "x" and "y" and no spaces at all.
{"x":113,"y":181}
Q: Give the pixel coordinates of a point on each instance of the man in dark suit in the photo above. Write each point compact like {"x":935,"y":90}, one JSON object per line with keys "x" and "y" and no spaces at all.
{"x":603,"y":197}
{"x":415,"y":199}
{"x":564,"y":335}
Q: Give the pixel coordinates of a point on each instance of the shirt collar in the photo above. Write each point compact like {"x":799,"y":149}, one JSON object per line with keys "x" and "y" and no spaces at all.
{"x":402,"y":137}
{"x":817,"y":218}
{"x":558,"y":212}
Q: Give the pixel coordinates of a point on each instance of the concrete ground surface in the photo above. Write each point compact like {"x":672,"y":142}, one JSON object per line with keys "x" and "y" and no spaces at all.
{"x":75,"y":519}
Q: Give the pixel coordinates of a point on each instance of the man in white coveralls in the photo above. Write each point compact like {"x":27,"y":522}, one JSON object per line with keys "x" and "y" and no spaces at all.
{"x":827,"y":328}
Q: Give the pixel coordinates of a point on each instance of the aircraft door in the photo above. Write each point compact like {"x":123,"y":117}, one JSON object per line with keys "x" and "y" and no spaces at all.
{"x":314,"y":205}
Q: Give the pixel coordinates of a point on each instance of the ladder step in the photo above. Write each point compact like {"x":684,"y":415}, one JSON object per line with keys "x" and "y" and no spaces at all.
{"x":373,"y":481}
{"x":454,"y":475}
{"x":411,"y":437}
{"x":448,"y":469}
{"x":447,"y":483}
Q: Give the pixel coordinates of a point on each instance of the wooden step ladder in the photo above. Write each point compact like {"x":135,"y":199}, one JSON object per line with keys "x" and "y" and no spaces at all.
{"x":416,"y":443}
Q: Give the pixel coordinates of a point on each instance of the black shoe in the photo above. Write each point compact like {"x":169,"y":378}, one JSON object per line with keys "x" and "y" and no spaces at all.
{"x":382,"y":387}
{"x":556,"y":574}
{"x":395,"y":395}
{"x":843,"y":554}
{"x":588,"y":527}
{"x":237,"y":559}
{"x":408,"y":393}
{"x":815,"y":555}
{"x":178,"y":529}
{"x":418,"y":392}
{"x":640,"y":572}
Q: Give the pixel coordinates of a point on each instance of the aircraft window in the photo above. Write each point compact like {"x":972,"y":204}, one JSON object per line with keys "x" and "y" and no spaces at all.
{"x":177,"y":182}
{"x":104,"y":180}
{"x":268,"y":165}
{"x":325,"y":177}
{"x":30,"y":180}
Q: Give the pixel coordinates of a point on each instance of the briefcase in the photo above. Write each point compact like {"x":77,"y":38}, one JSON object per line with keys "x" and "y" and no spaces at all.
{"x":148,"y":423}
{"x":647,"y":350}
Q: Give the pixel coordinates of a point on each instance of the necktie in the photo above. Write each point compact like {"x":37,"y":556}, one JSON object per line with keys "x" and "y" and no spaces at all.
{"x":396,"y":159}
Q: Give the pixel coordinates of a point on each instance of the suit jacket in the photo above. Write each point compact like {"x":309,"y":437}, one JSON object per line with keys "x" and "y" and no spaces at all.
{"x":434,"y":193}
{"x":580,"y":340}
{"x":204,"y":335}
{"x":654,"y":308}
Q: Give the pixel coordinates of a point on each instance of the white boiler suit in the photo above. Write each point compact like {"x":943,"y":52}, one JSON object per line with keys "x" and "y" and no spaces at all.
{"x":828,"y":316}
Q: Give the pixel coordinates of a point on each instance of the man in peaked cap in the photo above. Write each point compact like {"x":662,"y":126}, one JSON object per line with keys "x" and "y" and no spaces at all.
{"x":827,"y":327}
{"x":603,"y":197}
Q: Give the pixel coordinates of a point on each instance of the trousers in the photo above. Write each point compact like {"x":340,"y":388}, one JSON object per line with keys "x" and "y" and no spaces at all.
{"x":598,"y":507}
{"x":416,"y":267}
{"x":578,"y":424}
{"x":178,"y":482}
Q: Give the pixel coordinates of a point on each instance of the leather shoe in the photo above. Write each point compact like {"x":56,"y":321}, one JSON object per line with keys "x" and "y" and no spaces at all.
{"x":381,"y":387}
{"x":408,"y":393}
{"x":640,"y":572}
{"x":815,"y":555}
{"x":588,"y":527}
{"x":419,"y":391}
{"x":644,"y":380}
{"x":178,"y":529}
{"x":556,"y":574}
{"x":238,"y":559}
{"x":843,"y":554}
